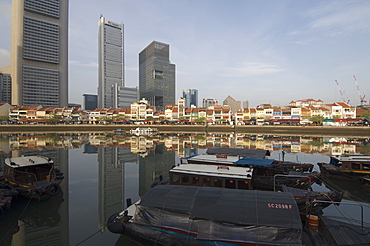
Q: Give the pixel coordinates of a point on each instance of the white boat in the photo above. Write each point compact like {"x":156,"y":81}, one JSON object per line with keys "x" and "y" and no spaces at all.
{"x":139,"y":131}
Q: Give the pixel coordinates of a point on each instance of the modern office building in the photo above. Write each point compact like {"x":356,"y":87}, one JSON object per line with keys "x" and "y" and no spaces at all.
{"x":157,"y":75}
{"x":39,"y":52}
{"x":90,"y":102}
{"x":209,"y":102}
{"x":191,"y":97}
{"x":110,"y":60}
{"x":124,"y":96}
{"x":5,"y":85}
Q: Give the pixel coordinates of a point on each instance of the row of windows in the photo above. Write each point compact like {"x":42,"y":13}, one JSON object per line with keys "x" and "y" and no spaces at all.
{"x":46,"y":7}
{"x":41,"y":40}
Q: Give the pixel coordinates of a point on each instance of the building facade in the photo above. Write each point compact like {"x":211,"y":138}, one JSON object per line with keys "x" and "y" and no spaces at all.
{"x":234,"y":104}
{"x":191,"y":97}
{"x":5,"y":85}
{"x":157,"y":75}
{"x":124,"y":96}
{"x":207,"y":102}
{"x":90,"y":101}
{"x":110,"y":60}
{"x":39,"y":52}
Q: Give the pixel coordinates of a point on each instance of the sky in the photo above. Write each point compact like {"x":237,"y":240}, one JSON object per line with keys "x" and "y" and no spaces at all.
{"x":263,"y":51}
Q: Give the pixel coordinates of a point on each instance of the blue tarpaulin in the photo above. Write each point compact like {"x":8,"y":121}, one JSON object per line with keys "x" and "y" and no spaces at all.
{"x":245,"y":161}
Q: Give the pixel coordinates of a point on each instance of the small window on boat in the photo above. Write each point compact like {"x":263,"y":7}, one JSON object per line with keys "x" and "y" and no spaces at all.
{"x":185,"y":180}
{"x":206,"y":182}
{"x":366,"y":166}
{"x":244,"y":185}
{"x":231,"y":184}
{"x":176,"y":178}
{"x":356,"y":166}
{"x":195,"y":181}
{"x":217,"y":182}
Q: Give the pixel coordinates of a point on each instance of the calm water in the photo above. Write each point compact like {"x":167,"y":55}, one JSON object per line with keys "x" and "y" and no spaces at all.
{"x":103,"y":170}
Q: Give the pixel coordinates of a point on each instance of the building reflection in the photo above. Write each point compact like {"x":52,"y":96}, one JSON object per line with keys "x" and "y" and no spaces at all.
{"x":183,"y":144}
{"x":47,"y":221}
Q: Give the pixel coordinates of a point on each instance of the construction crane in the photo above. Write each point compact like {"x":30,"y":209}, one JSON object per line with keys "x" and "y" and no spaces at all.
{"x":362,"y":98}
{"x":344,"y":97}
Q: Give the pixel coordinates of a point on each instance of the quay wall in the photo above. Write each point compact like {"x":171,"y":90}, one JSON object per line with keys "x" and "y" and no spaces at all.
{"x":350,"y":131}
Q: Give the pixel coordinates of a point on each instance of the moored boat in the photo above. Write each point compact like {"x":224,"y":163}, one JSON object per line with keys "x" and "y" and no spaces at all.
{"x":189,"y":215}
{"x":348,"y":167}
{"x":33,"y":176}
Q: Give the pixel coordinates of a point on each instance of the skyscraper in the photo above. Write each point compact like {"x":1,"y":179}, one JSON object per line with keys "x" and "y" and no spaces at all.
{"x":157,"y":75}
{"x":191,"y":97}
{"x":90,"y":101}
{"x":111,"y":60}
{"x":39,"y":52}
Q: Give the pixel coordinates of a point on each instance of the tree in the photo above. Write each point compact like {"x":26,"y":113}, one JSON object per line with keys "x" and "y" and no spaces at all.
{"x":317,"y":119}
{"x":365,"y":115}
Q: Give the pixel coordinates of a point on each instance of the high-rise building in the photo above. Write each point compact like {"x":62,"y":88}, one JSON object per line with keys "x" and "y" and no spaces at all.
{"x":110,"y":60}
{"x":234,"y":104}
{"x":157,"y":75}
{"x":209,"y":102}
{"x":191,"y":97}
{"x":90,"y":101}
{"x":5,"y":85}
{"x":39,"y":52}
{"x":124,"y":96}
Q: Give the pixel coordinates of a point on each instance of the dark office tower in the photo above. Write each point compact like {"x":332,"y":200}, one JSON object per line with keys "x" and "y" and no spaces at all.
{"x":191,"y":97}
{"x":39,"y":52}
{"x":157,"y":75}
{"x":90,"y":101}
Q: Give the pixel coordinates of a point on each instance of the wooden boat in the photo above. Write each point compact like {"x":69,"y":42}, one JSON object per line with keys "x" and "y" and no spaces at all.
{"x":349,"y":167}
{"x":190,"y":215}
{"x":33,"y":176}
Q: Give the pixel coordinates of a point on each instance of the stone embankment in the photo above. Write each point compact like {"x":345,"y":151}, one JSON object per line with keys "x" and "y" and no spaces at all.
{"x":357,"y":131}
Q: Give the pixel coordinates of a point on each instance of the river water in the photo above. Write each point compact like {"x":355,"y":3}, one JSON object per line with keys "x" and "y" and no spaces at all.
{"x":101,"y":171}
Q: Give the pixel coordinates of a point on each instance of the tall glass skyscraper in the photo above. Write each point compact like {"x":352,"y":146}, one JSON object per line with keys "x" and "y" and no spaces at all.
{"x":39,"y":52}
{"x":157,"y":75}
{"x":111,"y":60}
{"x":191,"y":97}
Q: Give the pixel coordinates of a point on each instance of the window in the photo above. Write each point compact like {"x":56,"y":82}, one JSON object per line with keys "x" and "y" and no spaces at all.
{"x":157,"y":74}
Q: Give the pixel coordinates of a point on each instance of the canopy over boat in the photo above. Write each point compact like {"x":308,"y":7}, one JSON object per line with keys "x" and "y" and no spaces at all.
{"x":245,"y":161}
{"x":223,"y":214}
{"x":25,"y":161}
{"x":253,"y":153}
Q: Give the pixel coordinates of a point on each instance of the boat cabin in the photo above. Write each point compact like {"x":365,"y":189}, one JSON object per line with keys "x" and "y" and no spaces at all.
{"x":222,"y":176}
{"x":29,"y":170}
{"x":352,"y":163}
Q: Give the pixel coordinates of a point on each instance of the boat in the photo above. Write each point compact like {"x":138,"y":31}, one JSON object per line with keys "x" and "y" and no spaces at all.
{"x":348,"y":167}
{"x":238,"y":177}
{"x":143,"y":131}
{"x":243,"y":157}
{"x":33,"y":176}
{"x":190,"y":215}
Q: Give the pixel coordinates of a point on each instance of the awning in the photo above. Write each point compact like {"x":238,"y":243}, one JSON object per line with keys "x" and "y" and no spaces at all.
{"x":245,"y":161}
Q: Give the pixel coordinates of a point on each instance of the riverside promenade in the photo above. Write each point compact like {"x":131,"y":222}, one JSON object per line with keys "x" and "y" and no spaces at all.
{"x":341,"y":131}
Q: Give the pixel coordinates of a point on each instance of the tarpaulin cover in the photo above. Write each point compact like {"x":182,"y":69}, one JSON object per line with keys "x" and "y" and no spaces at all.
{"x":253,"y":153}
{"x":223,"y":214}
{"x":245,"y":161}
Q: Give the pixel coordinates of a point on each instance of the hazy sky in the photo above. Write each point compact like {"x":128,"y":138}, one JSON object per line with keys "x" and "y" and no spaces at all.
{"x":264,"y":51}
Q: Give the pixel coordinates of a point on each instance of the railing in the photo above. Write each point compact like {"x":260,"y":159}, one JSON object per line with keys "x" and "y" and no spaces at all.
{"x":287,"y":175}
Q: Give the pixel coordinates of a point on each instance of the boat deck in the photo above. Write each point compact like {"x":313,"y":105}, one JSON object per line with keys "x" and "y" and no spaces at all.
{"x":333,"y":232}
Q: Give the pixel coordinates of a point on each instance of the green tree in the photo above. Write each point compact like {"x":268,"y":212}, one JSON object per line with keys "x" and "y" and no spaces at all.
{"x":365,"y":115}
{"x":317,"y":119}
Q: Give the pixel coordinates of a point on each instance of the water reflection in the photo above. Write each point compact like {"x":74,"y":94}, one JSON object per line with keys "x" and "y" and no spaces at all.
{"x":102,"y":170}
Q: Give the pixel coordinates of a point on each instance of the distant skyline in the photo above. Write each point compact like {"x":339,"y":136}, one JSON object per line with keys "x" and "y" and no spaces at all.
{"x":261,"y":51}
